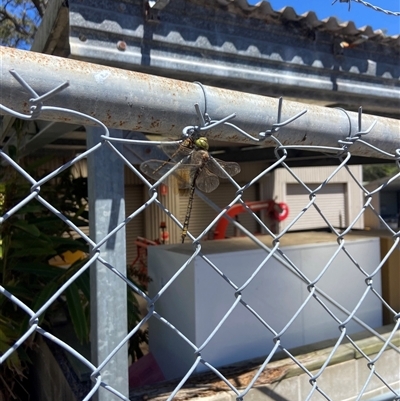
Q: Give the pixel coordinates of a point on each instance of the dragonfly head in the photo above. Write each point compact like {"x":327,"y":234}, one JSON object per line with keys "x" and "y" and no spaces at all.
{"x":201,"y":143}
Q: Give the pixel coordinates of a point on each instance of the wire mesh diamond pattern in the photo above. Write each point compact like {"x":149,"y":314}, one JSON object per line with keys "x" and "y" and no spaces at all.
{"x":278,"y":319}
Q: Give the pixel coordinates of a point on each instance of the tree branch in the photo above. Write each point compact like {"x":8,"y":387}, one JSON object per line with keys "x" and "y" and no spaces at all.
{"x":18,"y":24}
{"x":40,"y":7}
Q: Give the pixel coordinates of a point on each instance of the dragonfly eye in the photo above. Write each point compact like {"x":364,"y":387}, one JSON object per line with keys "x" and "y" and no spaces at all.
{"x":201,"y":143}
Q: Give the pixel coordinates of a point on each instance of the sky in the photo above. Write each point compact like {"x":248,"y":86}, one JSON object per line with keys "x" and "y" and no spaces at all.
{"x":359,"y":14}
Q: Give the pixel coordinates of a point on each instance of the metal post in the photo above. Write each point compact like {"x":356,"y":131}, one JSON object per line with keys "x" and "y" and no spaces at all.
{"x":131,"y":100}
{"x":108,"y":293}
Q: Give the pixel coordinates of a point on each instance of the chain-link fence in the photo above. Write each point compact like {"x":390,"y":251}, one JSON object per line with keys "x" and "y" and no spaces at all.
{"x":265,"y":285}
{"x":370,"y":5}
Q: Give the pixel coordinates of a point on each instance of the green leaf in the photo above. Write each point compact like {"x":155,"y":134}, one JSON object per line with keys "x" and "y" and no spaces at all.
{"x":15,"y":244}
{"x":133,"y":309}
{"x":31,"y":207}
{"x":37,"y":268}
{"x":19,"y":234}
{"x":6,"y":339}
{"x":29,"y":228}
{"x":83,"y":283}
{"x":3,"y":342}
{"x":19,"y":291}
{"x":46,"y":220}
{"x":39,"y":251}
{"x":73,"y":244}
{"x":44,"y":296}
{"x":77,"y":313}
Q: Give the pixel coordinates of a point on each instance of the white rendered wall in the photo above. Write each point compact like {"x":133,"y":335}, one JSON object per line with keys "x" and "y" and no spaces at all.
{"x":199,"y":298}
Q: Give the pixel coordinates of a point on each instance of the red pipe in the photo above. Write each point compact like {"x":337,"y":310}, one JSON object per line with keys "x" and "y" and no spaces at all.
{"x":277,"y":211}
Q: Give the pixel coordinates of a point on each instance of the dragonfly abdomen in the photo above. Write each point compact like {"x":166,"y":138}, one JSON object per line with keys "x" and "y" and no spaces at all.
{"x":191,"y":197}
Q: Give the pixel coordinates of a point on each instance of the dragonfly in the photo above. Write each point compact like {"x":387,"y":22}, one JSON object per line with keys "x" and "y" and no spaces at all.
{"x":197,"y":169}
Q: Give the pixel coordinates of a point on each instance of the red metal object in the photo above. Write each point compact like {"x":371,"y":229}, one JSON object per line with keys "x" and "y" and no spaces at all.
{"x":276,"y":211}
{"x":163,"y":190}
{"x":138,"y":268}
{"x":164,"y":236}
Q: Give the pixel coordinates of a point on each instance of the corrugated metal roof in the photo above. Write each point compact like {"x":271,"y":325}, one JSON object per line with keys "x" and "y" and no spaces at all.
{"x":264,"y":11}
{"x":231,"y":44}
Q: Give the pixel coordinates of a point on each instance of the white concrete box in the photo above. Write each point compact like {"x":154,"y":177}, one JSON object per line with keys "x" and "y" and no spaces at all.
{"x":199,"y":298}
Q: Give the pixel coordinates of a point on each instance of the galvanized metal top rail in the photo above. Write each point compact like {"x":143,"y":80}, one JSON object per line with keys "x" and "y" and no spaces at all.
{"x":135,"y":101}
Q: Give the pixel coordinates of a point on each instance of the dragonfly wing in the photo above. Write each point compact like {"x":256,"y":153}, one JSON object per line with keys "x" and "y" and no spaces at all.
{"x":223,"y":169}
{"x":175,"y":151}
{"x":183,"y":176}
{"x":207,"y":181}
{"x":156,"y":169}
